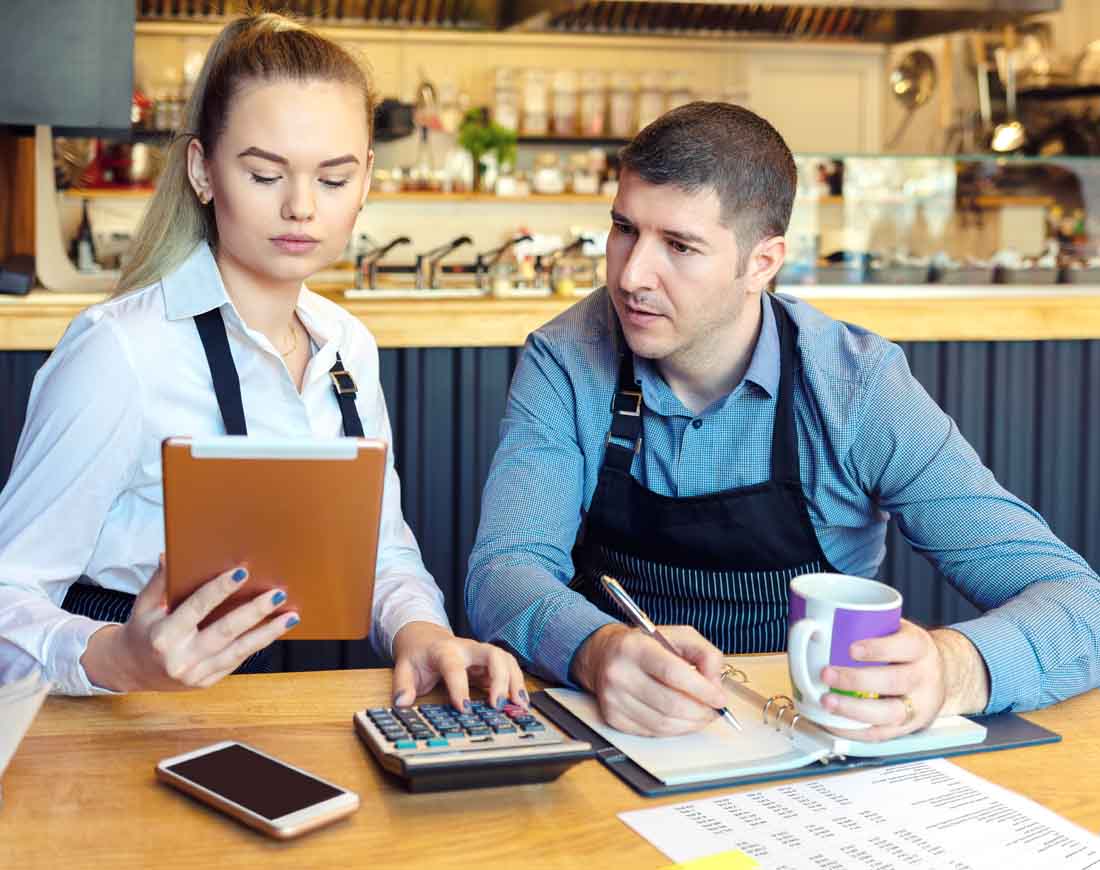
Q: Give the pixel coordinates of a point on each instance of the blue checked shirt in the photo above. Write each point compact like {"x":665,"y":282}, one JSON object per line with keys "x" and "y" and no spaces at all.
{"x":872,"y":443}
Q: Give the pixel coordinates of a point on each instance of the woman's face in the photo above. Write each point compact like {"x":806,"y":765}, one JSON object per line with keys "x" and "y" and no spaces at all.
{"x":287,"y":178}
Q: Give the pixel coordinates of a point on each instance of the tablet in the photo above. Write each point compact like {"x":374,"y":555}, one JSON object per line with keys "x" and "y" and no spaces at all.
{"x":301,"y":514}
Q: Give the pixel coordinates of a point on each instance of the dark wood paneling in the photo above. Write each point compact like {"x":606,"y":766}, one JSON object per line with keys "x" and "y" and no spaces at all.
{"x":1031,"y":410}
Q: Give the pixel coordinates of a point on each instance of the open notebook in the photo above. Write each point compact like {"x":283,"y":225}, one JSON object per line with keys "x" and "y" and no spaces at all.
{"x":768,"y":747}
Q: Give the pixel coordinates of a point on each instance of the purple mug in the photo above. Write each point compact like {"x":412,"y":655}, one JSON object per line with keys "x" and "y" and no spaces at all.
{"x":830,"y":612}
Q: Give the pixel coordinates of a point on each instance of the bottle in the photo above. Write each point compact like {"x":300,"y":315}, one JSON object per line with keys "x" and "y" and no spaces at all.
{"x":84,"y":244}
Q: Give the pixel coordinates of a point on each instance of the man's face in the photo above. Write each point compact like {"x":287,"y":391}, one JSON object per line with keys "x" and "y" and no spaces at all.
{"x":672,"y":271}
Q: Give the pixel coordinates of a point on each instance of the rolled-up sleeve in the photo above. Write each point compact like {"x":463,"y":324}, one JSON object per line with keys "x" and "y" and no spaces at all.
{"x":516,"y":586}
{"x":1039,"y":633}
{"x":78,"y":450}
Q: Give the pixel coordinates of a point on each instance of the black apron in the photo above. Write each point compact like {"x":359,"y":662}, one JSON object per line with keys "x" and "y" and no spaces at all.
{"x":722,"y":562}
{"x":84,"y":598}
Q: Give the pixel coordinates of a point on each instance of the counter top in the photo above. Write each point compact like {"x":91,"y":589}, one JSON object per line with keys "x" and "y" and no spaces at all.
{"x":927,"y":313}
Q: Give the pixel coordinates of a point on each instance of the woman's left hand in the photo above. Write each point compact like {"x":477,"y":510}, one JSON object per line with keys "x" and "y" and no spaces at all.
{"x":424,"y":652}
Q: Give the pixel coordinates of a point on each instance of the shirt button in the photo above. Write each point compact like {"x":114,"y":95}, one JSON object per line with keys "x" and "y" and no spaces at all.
{"x":696,"y":422}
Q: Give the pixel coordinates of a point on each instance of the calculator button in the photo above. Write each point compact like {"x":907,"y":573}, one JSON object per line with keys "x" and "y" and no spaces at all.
{"x":504,"y":729}
{"x":437,"y":741}
{"x":478,"y":730}
{"x":532,"y":726}
{"x":405,"y":744}
{"x":453,"y":735}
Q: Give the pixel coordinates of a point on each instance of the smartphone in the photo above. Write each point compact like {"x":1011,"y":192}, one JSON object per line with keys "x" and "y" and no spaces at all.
{"x":265,"y":793}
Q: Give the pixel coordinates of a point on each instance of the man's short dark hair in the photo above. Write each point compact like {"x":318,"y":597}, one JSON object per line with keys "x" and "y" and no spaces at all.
{"x":728,"y":149}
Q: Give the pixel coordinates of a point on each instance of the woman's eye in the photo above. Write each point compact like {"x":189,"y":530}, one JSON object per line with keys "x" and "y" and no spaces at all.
{"x":264,"y":179}
{"x":329,"y":183}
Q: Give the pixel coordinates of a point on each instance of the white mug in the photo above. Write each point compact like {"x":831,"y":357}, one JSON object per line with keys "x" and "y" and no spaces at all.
{"x":828,"y":613}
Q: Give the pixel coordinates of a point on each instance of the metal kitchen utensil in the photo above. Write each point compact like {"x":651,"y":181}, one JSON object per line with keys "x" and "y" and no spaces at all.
{"x":912,"y":82}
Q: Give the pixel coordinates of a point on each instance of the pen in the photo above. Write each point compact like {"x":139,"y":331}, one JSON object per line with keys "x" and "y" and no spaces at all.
{"x":638,"y":617}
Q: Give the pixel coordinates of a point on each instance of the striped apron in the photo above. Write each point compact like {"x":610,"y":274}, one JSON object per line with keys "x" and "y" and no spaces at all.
{"x":84,"y":597}
{"x":722,"y":562}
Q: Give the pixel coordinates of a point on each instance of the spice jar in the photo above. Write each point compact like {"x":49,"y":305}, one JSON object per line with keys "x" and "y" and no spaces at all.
{"x":565,"y":102}
{"x":621,"y":105}
{"x":536,"y":117}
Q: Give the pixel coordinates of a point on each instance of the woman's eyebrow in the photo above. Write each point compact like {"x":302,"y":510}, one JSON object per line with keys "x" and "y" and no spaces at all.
{"x":253,"y":151}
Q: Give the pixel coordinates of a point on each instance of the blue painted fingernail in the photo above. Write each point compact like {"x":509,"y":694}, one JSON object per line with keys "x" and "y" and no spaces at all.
{"x":466,"y":705}
{"x":399,"y":699}
{"x":523,"y":696}
{"x":501,"y":701}
{"x":239,"y":574}
{"x":293,"y":621}
{"x":279,"y":597}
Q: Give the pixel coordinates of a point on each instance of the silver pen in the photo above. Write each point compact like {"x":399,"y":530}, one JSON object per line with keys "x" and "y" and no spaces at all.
{"x":638,"y":617}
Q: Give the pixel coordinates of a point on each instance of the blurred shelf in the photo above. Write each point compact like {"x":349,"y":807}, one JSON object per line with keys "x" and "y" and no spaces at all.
{"x":405,"y":197}
{"x":533,"y":199}
{"x":1060,"y":92}
{"x":108,"y":192}
{"x":592,"y":141}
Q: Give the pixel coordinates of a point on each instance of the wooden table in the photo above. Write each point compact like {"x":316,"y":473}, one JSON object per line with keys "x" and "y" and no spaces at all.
{"x":80,"y":792}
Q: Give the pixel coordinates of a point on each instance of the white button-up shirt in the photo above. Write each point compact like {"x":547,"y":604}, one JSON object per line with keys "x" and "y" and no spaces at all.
{"x":85,"y":496}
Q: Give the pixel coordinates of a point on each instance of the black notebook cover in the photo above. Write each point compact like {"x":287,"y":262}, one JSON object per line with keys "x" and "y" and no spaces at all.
{"x":1003,"y":731}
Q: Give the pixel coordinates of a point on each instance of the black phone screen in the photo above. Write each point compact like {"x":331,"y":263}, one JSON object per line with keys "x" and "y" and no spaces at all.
{"x":254,"y":781}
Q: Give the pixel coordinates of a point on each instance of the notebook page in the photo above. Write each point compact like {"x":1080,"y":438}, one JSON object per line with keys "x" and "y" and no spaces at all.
{"x":718,"y":751}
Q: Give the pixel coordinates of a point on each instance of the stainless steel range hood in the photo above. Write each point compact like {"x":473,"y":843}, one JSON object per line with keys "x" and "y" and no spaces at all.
{"x":884,"y":21}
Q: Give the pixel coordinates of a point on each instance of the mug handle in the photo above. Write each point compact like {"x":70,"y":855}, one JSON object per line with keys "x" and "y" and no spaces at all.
{"x":798,"y":645}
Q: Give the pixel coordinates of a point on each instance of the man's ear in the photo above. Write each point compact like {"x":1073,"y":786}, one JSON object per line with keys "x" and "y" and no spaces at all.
{"x":196,"y":171}
{"x":765,"y":260}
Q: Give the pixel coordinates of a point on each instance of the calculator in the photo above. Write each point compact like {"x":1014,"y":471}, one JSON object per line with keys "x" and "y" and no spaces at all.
{"x":436,"y":747}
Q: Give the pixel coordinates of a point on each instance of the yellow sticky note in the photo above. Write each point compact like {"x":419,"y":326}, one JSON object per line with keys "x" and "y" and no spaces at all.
{"x":732,"y":860}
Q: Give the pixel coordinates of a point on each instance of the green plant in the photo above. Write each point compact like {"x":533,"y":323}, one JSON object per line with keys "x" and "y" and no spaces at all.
{"x":479,"y":136}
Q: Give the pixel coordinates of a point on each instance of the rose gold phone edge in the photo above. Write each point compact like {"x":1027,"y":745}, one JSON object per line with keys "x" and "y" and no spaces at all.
{"x":242,"y":814}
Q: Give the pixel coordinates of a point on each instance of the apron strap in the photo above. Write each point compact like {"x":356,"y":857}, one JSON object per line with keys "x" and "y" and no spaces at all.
{"x":626,"y":415}
{"x":785,"y":466}
{"x":343,"y":385}
{"x":227,"y":386}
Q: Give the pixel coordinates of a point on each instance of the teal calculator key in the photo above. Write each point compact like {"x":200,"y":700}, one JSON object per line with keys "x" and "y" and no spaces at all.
{"x":405,"y":744}
{"x":437,"y":741}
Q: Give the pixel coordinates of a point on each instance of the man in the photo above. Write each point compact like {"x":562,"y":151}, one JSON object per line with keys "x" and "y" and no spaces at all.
{"x":704,"y":442}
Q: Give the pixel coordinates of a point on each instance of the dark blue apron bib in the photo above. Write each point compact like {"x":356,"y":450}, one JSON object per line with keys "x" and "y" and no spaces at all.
{"x":722,"y":562}
{"x":84,"y":598}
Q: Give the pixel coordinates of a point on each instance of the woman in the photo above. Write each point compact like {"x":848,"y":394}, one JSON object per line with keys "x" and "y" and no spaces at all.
{"x":261,"y":193}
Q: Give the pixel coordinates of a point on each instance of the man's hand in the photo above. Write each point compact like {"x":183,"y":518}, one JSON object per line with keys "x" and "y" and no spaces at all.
{"x":424,"y":652}
{"x":165,"y":651}
{"x":644,"y":689}
{"x":939,"y":672}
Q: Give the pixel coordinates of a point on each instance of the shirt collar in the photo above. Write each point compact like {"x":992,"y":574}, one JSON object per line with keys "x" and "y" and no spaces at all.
{"x":196,"y":287}
{"x":766,"y":361}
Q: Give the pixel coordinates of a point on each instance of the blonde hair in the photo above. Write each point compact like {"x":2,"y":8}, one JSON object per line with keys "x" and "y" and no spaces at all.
{"x":265,"y":46}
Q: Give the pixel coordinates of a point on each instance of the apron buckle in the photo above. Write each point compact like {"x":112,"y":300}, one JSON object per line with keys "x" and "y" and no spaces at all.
{"x":623,"y":400}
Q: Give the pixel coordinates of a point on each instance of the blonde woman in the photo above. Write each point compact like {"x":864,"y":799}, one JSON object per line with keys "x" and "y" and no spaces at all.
{"x":261,"y":193}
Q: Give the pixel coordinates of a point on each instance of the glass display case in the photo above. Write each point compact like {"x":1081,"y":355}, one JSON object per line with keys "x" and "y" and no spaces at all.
{"x":977,"y":220}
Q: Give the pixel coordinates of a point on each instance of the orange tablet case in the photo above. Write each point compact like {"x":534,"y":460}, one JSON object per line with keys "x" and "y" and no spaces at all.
{"x":300,"y":515}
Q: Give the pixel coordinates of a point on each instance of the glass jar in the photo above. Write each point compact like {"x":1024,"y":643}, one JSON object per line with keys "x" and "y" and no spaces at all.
{"x":651,"y":98}
{"x":547,"y":179}
{"x":536,"y":115}
{"x":620,"y":116}
{"x":565,"y":102}
{"x":592,"y":103}
{"x":505,"y":98}
{"x":679,"y":91}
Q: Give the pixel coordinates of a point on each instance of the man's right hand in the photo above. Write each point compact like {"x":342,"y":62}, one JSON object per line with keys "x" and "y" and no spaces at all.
{"x":644,"y":689}
{"x":166,"y":651}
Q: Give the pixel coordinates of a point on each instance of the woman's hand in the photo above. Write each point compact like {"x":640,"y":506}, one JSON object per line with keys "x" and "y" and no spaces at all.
{"x":166,"y":651}
{"x":424,"y":652}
